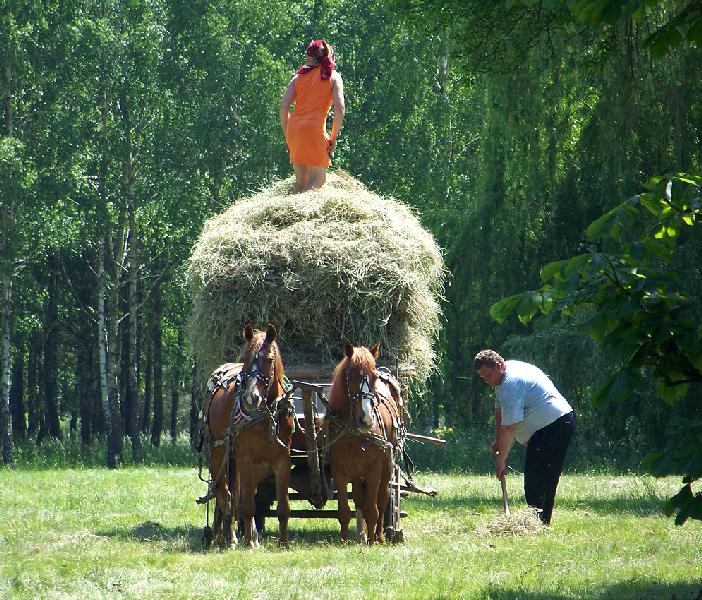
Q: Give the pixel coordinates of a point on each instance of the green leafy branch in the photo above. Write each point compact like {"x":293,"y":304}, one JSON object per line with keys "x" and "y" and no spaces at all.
{"x":685,"y":25}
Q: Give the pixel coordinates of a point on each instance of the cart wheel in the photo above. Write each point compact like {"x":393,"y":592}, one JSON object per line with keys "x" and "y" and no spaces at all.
{"x":393,"y":528}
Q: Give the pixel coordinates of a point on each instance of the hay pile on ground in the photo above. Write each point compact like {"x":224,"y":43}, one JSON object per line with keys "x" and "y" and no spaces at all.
{"x":521,"y":522}
{"x":328,"y":265}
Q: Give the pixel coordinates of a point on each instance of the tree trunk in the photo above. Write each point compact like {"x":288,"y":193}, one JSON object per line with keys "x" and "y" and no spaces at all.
{"x":174,"y":412}
{"x":50,"y":370}
{"x":70,"y":405}
{"x":157,"y":424}
{"x":17,"y":391}
{"x":85,"y":388}
{"x":108,"y":376}
{"x":33,"y":367}
{"x":135,"y":410}
{"x":7,"y":229}
{"x":5,"y":366}
{"x":148,"y":388}
{"x":98,"y":426}
{"x":194,"y":403}
{"x":124,"y":359}
{"x":176,"y":379}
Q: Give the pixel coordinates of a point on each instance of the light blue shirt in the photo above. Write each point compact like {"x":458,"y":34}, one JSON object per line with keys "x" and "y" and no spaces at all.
{"x":527,"y":397}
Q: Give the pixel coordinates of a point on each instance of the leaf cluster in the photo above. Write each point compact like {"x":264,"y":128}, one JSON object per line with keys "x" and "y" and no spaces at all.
{"x":684,"y":24}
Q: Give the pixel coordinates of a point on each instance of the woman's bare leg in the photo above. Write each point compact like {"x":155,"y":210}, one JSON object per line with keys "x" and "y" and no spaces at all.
{"x":302,"y":173}
{"x":316,"y":177}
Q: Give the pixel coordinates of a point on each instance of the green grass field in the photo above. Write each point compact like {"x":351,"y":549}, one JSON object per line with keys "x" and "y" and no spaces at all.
{"x":135,"y":533}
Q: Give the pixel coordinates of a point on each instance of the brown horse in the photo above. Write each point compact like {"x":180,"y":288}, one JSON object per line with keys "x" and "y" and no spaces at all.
{"x":250,"y":427}
{"x":365,"y":425}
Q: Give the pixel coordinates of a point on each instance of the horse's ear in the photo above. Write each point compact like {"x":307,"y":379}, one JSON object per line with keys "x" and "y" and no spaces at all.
{"x":271,"y":333}
{"x":375,"y":350}
{"x":348,"y":348}
{"x":248,"y":332}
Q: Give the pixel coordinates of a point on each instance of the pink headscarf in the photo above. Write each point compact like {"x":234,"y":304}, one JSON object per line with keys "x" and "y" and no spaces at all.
{"x":320,"y":50}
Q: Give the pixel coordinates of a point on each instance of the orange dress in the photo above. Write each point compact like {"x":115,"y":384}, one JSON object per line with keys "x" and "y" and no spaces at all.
{"x":306,"y":133}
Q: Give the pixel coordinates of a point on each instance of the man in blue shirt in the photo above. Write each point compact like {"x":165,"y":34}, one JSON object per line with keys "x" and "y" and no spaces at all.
{"x":530,"y":409}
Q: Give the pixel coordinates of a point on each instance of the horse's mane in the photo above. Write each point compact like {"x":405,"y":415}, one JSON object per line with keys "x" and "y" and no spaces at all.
{"x":254,"y":345}
{"x":363,"y":360}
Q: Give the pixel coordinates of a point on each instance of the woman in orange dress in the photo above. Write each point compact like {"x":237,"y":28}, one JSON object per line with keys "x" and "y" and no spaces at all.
{"x":313,"y":89}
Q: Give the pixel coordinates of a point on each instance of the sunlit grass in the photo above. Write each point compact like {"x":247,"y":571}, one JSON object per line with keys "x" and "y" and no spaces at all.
{"x":135,"y":533}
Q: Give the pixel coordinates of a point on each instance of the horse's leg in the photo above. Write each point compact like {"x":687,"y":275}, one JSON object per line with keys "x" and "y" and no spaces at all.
{"x":281,"y":470}
{"x":358,"y":494}
{"x":224,"y":506}
{"x":344,"y":512}
{"x":370,"y":504}
{"x":229,"y":533}
{"x":249,"y":476}
{"x":222,"y":495}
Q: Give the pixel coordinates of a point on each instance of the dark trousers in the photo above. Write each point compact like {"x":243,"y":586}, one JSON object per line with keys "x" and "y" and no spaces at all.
{"x":545,"y":454}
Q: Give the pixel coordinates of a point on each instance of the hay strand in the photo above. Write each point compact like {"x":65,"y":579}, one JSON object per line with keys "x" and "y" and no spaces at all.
{"x":520,"y":522}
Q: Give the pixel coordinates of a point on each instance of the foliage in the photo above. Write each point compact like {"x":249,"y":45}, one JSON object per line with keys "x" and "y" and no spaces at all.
{"x":633,"y":278}
{"x":683,"y":25}
{"x":72,"y":453}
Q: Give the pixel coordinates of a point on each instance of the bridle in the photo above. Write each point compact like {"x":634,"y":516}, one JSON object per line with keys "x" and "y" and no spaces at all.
{"x":365,"y":393}
{"x":244,"y":383}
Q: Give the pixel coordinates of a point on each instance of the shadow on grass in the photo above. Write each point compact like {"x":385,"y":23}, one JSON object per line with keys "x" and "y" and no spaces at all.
{"x":641,"y":505}
{"x":190,"y":538}
{"x":154,"y":532}
{"x":639,"y":590}
{"x":638,"y":505}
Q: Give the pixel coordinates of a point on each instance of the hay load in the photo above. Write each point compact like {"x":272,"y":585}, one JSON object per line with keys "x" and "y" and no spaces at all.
{"x":328,"y":265}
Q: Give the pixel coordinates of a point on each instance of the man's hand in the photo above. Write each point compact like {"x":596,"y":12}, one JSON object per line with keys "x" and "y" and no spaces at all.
{"x":494,"y":447}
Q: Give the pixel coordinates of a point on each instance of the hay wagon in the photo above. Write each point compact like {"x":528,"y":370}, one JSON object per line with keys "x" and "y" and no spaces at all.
{"x":310,"y":478}
{"x":341,"y":262}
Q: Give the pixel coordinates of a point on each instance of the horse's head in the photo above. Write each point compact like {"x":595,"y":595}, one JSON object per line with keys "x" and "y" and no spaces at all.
{"x":262,"y":373}
{"x":356,"y":375}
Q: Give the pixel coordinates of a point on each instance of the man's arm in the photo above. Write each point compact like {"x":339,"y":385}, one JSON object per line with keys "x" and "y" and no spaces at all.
{"x":504,"y":438}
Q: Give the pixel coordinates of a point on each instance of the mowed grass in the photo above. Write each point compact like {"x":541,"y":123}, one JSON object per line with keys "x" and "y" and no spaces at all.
{"x":136,"y":533}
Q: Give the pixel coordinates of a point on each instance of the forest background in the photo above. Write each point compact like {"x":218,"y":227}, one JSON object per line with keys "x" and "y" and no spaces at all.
{"x":509,"y":127}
